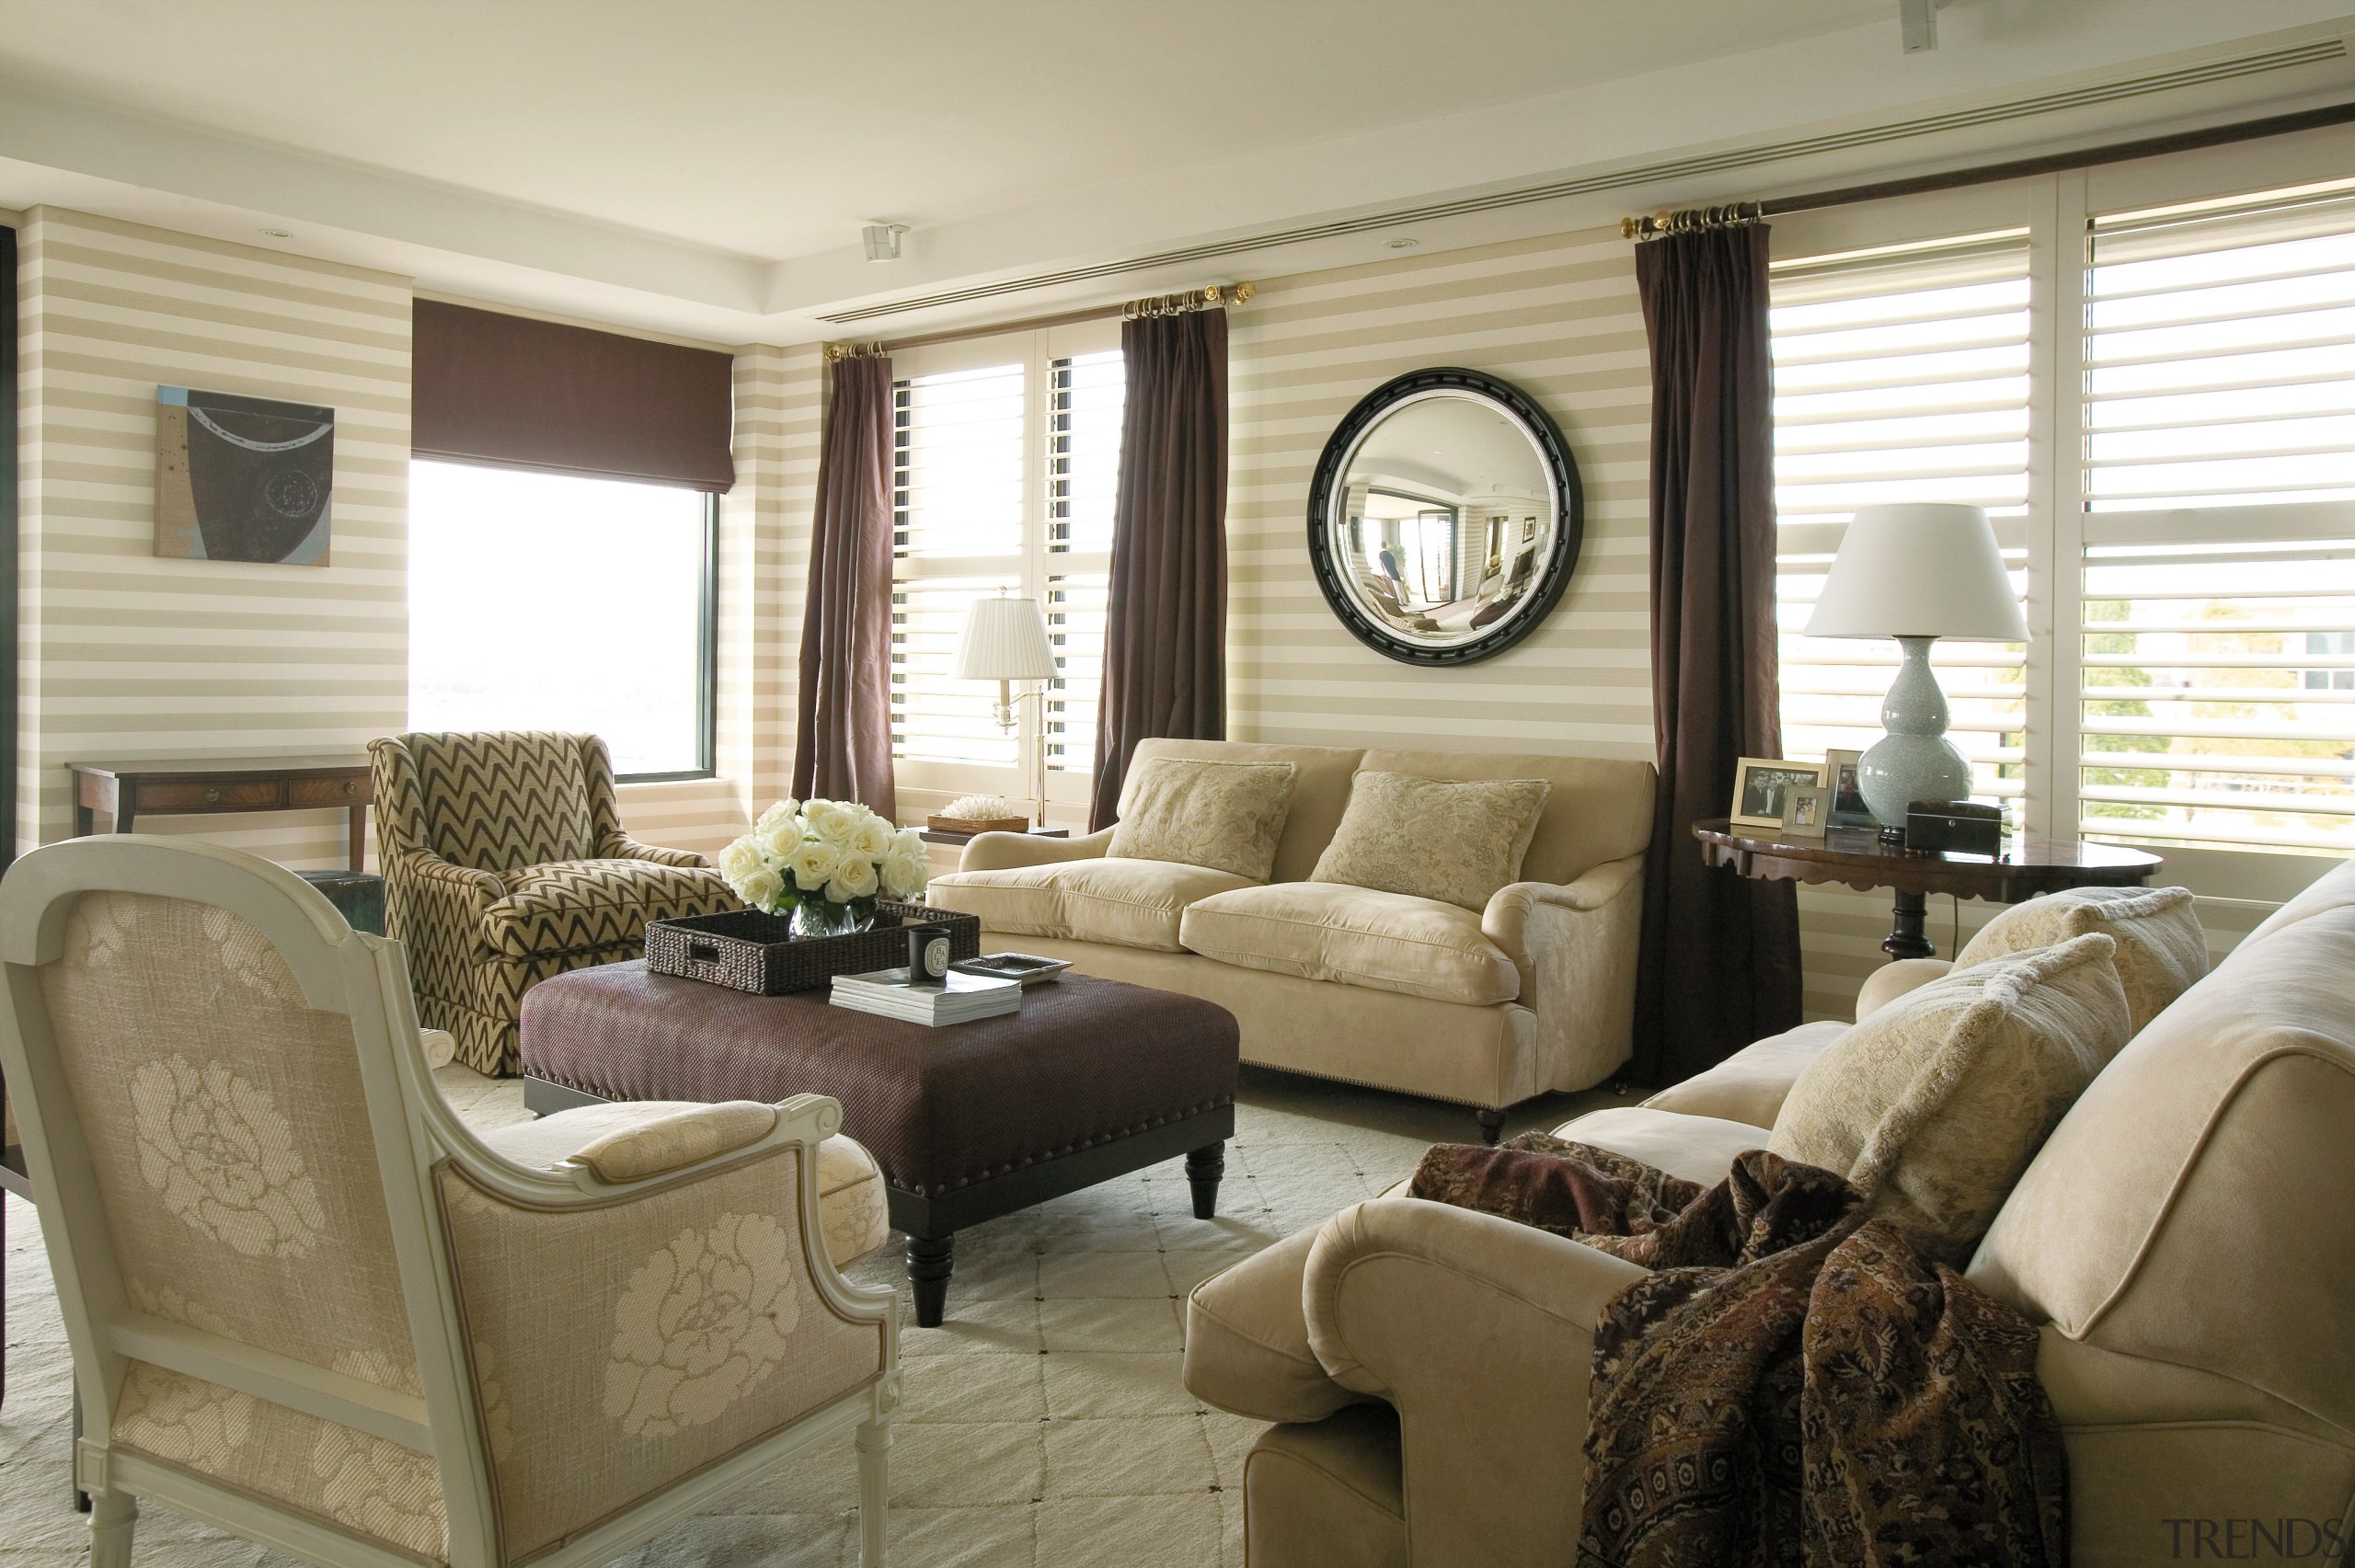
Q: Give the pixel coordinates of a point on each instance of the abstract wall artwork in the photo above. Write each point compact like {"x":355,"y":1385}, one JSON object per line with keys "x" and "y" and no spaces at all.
{"x":242,"y":479}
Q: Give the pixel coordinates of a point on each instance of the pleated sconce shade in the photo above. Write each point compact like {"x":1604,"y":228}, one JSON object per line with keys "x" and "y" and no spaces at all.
{"x":1919,"y":569}
{"x":1006,"y":640}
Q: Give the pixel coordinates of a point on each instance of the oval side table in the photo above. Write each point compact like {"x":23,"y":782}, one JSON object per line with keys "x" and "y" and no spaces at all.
{"x":1855,"y":857}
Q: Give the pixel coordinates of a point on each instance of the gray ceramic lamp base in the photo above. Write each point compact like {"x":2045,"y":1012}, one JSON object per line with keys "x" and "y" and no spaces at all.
{"x":1915,"y":761}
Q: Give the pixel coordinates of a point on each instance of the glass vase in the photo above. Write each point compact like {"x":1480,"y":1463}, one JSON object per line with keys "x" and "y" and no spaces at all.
{"x":823,"y":917}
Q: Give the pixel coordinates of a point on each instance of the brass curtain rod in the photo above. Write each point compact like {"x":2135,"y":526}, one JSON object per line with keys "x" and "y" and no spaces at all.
{"x":1206,"y":298}
{"x":1655,"y":224}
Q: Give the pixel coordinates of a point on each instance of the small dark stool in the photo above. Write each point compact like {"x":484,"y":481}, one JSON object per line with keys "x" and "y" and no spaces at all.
{"x":357,"y":896}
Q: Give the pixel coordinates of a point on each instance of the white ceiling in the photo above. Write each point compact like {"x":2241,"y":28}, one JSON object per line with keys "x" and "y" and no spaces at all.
{"x":702,"y":166}
{"x":773,"y":130}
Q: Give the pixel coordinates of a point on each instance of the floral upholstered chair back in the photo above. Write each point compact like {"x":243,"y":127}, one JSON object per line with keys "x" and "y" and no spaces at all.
{"x":227,"y":1135}
{"x":500,"y":801}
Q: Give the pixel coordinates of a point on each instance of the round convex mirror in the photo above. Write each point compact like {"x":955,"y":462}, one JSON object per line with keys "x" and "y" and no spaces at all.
{"x":1445,"y":516}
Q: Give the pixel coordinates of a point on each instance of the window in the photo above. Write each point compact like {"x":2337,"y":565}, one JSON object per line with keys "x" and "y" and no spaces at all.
{"x":2142,"y":372}
{"x":1900,"y":375}
{"x":1007,"y":454}
{"x":2218,"y":564}
{"x":1089,"y":391}
{"x":544,"y":601}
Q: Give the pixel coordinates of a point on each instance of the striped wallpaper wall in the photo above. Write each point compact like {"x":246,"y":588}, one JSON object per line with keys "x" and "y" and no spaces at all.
{"x":763,"y":565}
{"x":1557,"y":316}
{"x":1560,"y":318}
{"x":127,"y":657}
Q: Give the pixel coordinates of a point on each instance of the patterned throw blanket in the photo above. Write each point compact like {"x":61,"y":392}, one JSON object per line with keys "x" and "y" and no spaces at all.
{"x":1791,"y":1386}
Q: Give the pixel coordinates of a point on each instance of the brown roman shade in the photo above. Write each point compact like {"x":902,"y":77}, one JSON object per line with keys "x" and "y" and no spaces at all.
{"x":522,"y":394}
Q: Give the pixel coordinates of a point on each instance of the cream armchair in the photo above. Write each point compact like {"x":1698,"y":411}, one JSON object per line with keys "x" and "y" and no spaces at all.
{"x":307,"y":1305}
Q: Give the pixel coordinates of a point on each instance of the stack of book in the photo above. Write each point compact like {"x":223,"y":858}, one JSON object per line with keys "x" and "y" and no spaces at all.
{"x":965,"y":998}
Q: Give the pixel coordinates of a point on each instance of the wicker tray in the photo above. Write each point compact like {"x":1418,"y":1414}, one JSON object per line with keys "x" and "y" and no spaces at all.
{"x":747,"y":950}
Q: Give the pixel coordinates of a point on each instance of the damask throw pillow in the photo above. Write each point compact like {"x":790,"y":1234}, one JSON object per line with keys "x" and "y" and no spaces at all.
{"x":1935,"y":1105}
{"x":2162,"y":952}
{"x":1226,"y":816}
{"x":1455,"y":840}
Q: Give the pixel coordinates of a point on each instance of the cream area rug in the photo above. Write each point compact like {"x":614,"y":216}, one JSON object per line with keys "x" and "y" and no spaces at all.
{"x":1044,"y":1424}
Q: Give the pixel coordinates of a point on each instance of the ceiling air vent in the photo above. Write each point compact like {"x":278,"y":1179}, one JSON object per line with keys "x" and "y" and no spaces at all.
{"x":1650,"y":174}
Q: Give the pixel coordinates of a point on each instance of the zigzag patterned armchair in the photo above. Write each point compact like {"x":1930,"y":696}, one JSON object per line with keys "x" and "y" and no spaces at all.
{"x":505,"y":863}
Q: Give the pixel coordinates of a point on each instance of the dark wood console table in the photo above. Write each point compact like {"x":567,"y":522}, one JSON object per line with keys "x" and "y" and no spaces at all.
{"x":1855,"y":857}
{"x":127,"y":791}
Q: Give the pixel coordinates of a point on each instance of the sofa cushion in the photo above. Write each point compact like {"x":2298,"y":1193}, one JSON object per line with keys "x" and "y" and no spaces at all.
{"x":852,"y":1204}
{"x":1227,"y":816}
{"x":1127,"y":903}
{"x":2162,"y":952}
{"x":1456,"y":841}
{"x":568,"y":905}
{"x":1750,"y":1085}
{"x":1935,"y":1105}
{"x":1699,"y":1149}
{"x":1597,"y":809}
{"x":1333,"y":1493}
{"x":1320,"y":791}
{"x":1331,"y":930}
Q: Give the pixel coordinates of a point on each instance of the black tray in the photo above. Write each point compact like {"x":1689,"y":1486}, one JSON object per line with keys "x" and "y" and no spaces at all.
{"x":748,"y":950}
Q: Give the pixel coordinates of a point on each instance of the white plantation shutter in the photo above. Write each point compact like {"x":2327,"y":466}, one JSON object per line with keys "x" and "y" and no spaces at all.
{"x":1004,"y":466}
{"x":936,"y":717}
{"x":1076,"y":607}
{"x":2218,"y":690}
{"x":1087,"y":395}
{"x":959,"y":471}
{"x":2216,"y":616}
{"x":960,"y":454}
{"x":2219,"y":352}
{"x":1900,"y":375}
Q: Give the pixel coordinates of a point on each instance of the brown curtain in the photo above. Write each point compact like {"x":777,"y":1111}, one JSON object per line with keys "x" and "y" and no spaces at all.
{"x":516,"y":393}
{"x":1720,"y":964}
{"x":842,"y":748}
{"x":1164,"y":637}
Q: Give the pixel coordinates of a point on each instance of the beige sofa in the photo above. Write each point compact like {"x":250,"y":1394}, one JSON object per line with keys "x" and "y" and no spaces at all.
{"x":1485,"y":1009}
{"x":2186,"y":1239}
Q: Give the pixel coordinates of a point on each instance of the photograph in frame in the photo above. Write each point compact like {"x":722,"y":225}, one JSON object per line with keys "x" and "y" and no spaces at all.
{"x":1762,"y":784}
{"x":1804,"y":811}
{"x":1846,"y":807}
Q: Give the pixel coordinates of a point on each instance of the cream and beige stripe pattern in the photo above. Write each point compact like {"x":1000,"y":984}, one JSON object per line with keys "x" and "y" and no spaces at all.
{"x":765,"y":526}
{"x":129,"y":656}
{"x":1557,"y":317}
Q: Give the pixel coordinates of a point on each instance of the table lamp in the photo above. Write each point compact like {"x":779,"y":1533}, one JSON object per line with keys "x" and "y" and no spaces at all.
{"x":1006,"y":640}
{"x":1917,"y":571}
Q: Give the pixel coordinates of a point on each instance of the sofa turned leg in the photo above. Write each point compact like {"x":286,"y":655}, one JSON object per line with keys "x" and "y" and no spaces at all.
{"x":930,"y":1260}
{"x":1204,"y":1167}
{"x":1492,"y":1126}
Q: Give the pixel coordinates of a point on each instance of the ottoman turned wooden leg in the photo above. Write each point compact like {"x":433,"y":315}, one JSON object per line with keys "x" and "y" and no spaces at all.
{"x":1204,"y":1167}
{"x":930,"y":1259}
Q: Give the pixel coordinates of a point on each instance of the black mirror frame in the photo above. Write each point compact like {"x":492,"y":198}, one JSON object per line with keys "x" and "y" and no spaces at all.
{"x":1569,"y":509}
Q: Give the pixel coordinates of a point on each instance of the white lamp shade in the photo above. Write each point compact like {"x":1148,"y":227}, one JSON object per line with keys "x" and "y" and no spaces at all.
{"x":1006,"y":640}
{"x":1919,"y":569}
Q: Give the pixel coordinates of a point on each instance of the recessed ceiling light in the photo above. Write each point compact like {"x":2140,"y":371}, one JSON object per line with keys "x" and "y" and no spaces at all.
{"x":1405,"y":244}
{"x":280,"y":233}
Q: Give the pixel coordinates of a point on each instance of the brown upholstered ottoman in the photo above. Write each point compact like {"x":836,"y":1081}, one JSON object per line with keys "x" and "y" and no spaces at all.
{"x":1093,"y":1078}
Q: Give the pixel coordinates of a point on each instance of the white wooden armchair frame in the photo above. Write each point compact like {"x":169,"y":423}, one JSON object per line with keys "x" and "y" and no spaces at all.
{"x":363,"y":978}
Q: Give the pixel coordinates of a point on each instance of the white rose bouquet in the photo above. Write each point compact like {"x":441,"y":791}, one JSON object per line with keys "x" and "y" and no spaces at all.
{"x":824,"y":862}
